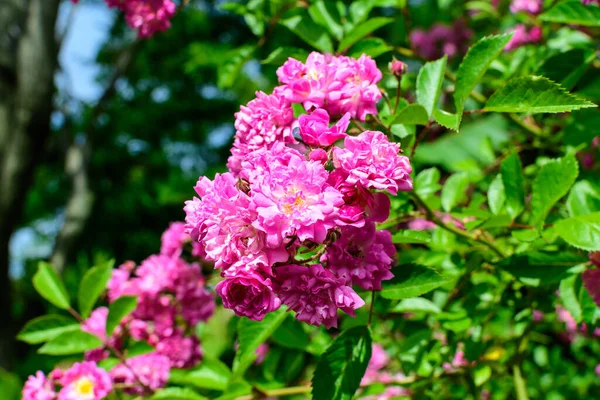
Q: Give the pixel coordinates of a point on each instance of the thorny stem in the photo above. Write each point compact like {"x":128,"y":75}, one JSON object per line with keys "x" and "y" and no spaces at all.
{"x":451,"y":228}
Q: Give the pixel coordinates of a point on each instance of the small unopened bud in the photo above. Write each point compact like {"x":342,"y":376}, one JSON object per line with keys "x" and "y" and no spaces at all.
{"x":397,"y":67}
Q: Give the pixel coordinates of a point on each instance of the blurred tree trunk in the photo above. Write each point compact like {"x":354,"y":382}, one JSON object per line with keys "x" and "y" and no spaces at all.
{"x":28,"y":60}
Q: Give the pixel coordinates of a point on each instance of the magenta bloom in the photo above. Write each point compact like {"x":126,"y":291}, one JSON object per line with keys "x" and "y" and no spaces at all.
{"x":265,"y":121}
{"x":591,"y":281}
{"x":522,"y":36}
{"x":533,"y":7}
{"x":315,"y":294}
{"x":182,"y":351}
{"x":223,"y":219}
{"x":151,"y":369}
{"x":293,"y":198}
{"x":173,"y":239}
{"x":371,"y":161}
{"x":315,"y":130}
{"x":148,"y":16}
{"x":337,"y":84}
{"x":441,"y":39}
{"x":85,"y":381}
{"x":38,"y":387}
{"x":247,"y":293}
{"x":362,"y":256}
{"x":96,"y":323}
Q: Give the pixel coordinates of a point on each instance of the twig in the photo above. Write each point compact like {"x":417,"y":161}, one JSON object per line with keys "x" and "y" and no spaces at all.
{"x":372,"y":306}
{"x":419,"y":139}
{"x":451,"y":228}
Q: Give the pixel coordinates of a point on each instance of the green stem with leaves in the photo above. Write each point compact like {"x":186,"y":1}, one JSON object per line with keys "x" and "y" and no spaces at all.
{"x":451,"y":228}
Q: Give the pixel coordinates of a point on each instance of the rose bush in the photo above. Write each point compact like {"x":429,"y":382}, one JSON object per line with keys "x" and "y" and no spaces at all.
{"x":418,"y":228}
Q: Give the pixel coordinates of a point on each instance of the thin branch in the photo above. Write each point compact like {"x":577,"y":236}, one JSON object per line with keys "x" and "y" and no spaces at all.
{"x":451,"y":228}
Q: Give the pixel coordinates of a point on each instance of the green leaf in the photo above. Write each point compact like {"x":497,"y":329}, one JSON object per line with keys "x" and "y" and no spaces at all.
{"x":416,"y":304}
{"x":229,"y":70}
{"x":573,"y":12}
{"x":408,"y":236}
{"x":446,"y":119}
{"x":211,"y":374}
{"x":454,"y":190}
{"x":291,"y":334}
{"x":411,"y":280}
{"x":583,"y":199}
{"x":252,"y":334}
{"x":496,"y":195}
{"x":569,"y":296}
{"x":582,"y":231}
{"x":512,"y":179}
{"x":176,"y":393}
{"x":326,"y":14}
{"x":412,"y":114}
{"x":552,"y":182}
{"x":566,"y":68}
{"x":429,"y":84}
{"x":474,"y":65}
{"x":373,"y":47}
{"x":47,"y":327}
{"x":281,"y":54}
{"x":581,"y":129}
{"x":118,"y":310}
{"x":534,"y":94}
{"x":541,"y":268}
{"x":360,"y":9}
{"x":310,"y":32}
{"x":70,"y":343}
{"x":92,"y":285}
{"x":481,"y":374}
{"x":427,"y":182}
{"x":342,"y":366}
{"x":363,"y":30}
{"x":49,"y":285}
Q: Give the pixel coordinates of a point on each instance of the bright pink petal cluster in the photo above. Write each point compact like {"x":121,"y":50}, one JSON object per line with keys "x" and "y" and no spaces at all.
{"x":315,"y":293}
{"x":286,"y":205}
{"x":147,"y":16}
{"x":337,"y":84}
{"x":151,"y":369}
{"x":264,"y":121}
{"x":523,"y":36}
{"x":38,"y":387}
{"x":533,"y":7}
{"x":371,"y":161}
{"x":85,"y":381}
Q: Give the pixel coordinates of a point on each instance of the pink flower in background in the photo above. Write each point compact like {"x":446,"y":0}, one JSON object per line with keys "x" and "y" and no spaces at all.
{"x":96,"y":323}
{"x":371,"y":161}
{"x":261,"y":353}
{"x":458,"y":362}
{"x":379,"y":359}
{"x":182,"y":351}
{"x":597,"y":369}
{"x":533,"y":7}
{"x":38,"y":387}
{"x":362,"y":256}
{"x":441,"y":39}
{"x":149,"y":16}
{"x":591,"y":281}
{"x":85,"y":381}
{"x":315,"y":130}
{"x":151,"y":369}
{"x":264,"y":121}
{"x":247,"y":293}
{"x":588,"y":2}
{"x":173,"y":239}
{"x":315,"y":294}
{"x":522,"y":36}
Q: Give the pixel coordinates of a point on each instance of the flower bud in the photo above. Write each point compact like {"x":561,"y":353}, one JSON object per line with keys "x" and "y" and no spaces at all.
{"x":397,"y":67}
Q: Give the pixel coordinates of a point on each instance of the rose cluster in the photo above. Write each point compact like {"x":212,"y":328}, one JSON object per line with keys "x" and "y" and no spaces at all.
{"x":147,"y":16}
{"x":293,"y":221}
{"x":172,"y":300}
{"x":441,"y":39}
{"x":82,"y":381}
